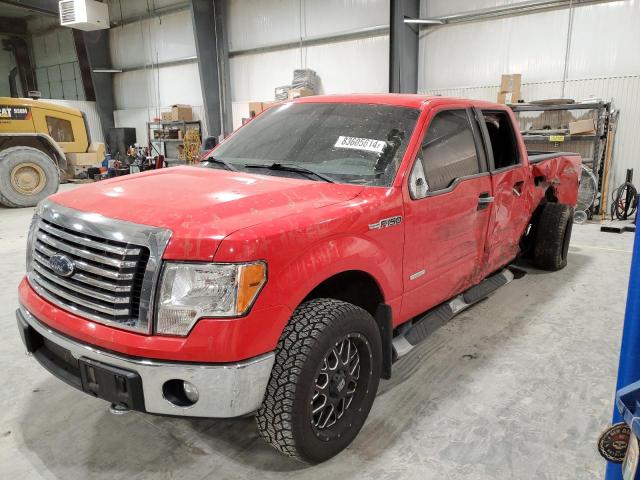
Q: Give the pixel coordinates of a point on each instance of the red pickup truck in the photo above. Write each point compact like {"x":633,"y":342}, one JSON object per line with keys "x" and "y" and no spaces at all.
{"x":317,"y":245}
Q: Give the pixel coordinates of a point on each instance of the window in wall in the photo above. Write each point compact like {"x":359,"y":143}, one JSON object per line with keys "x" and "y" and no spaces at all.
{"x":503,"y":141}
{"x":448,"y":149}
{"x":60,"y":129}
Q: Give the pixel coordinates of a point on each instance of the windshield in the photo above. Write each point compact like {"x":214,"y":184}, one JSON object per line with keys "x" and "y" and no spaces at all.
{"x":344,"y":142}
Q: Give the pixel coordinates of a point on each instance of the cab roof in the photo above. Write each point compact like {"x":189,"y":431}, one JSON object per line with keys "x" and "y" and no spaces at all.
{"x":28,"y":102}
{"x":397,"y":99}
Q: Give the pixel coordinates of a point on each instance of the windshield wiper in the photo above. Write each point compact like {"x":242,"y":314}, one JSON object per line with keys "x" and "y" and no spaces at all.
{"x":285,"y":167}
{"x":222,"y":162}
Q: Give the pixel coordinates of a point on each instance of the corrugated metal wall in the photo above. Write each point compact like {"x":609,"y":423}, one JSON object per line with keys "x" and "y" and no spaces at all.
{"x":467,"y":60}
{"x":55,"y":60}
{"x":360,"y":65}
{"x":142,"y":93}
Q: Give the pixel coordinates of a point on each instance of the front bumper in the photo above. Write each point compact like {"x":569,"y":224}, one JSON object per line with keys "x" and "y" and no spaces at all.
{"x":225,"y":389}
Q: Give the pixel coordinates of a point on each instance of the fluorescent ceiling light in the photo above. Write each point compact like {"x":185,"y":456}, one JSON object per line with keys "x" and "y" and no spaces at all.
{"x":424,"y":21}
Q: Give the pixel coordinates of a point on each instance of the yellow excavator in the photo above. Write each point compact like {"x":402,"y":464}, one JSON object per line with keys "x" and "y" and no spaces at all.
{"x":35,"y":137}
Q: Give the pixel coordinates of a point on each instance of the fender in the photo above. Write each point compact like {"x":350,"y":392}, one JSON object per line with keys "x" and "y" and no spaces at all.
{"x":330,"y":257}
{"x":563,"y":169}
{"x":44,"y":139}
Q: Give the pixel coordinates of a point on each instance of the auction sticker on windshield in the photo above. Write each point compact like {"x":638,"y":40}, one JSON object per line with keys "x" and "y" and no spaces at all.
{"x":356,"y":143}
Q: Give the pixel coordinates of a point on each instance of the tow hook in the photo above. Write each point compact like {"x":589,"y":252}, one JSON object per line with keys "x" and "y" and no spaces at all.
{"x":116,"y":409}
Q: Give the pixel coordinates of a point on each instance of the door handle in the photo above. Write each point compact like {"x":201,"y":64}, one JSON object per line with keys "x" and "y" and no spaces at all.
{"x":517,"y":188}
{"x":484,"y":200}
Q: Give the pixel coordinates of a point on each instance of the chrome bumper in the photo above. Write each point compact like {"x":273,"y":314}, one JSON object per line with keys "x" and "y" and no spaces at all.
{"x":225,"y":390}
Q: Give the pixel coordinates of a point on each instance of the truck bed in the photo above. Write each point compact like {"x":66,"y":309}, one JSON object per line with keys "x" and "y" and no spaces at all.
{"x":538,"y":156}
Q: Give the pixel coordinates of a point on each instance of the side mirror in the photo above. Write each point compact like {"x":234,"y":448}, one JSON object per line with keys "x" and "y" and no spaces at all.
{"x":418,"y":186}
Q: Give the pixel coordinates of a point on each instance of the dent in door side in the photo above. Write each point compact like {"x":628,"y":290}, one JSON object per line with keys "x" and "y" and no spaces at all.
{"x":511,"y":213}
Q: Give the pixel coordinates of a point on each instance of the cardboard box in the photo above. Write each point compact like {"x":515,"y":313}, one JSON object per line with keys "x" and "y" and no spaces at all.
{"x":507,"y":98}
{"x":584,"y":127}
{"x":258,"y":107}
{"x":299,"y":92}
{"x":510,"y":88}
{"x":165,"y":116}
{"x":98,"y":149}
{"x":510,"y":82}
{"x":181,"y":113}
{"x":255,"y":108}
{"x":82,"y":159}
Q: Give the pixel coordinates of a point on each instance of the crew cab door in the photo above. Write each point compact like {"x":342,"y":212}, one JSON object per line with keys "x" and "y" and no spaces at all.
{"x":446,"y":211}
{"x":511,"y":184}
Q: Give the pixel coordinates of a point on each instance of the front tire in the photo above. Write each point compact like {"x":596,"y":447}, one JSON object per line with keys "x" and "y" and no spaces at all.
{"x":323,"y":382}
{"x":27,"y":175}
{"x":553,"y":234}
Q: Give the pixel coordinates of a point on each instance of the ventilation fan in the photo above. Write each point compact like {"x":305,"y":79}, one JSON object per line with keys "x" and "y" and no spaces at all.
{"x":84,"y":15}
{"x":586,"y":194}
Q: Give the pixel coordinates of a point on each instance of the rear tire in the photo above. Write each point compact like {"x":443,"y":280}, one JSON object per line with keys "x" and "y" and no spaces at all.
{"x":27,"y":175}
{"x":553,"y":234}
{"x":328,"y":361}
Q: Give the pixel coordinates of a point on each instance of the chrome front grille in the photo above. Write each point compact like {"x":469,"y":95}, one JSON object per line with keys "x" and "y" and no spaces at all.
{"x":115,"y":265}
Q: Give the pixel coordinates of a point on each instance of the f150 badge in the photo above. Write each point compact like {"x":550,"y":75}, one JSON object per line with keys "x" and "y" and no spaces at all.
{"x":386,"y":222}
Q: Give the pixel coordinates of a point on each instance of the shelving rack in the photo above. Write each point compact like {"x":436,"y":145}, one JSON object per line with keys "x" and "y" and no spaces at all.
{"x":169,"y":146}
{"x":555,"y":118}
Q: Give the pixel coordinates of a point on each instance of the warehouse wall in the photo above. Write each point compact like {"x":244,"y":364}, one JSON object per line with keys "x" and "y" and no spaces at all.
{"x":468,"y":59}
{"x":55,"y":59}
{"x":144,"y":91}
{"x":360,"y":65}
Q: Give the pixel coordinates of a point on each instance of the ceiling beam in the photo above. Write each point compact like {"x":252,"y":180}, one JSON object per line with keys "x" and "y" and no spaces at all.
{"x":13,"y":26}
{"x":46,"y":7}
{"x":508,"y":10}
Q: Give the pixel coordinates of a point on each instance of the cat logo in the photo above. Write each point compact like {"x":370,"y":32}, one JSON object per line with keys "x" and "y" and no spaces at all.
{"x":15,"y":113}
{"x":386,"y":222}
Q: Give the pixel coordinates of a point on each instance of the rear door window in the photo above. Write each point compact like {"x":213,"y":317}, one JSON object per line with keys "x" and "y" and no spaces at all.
{"x":502,"y":139}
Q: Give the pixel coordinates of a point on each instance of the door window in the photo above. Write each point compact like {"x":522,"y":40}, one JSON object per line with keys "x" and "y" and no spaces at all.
{"x":502,"y":139}
{"x":60,"y":129}
{"x":448,"y":152}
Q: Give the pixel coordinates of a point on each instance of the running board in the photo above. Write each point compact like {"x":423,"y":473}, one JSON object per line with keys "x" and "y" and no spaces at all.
{"x":420,"y":328}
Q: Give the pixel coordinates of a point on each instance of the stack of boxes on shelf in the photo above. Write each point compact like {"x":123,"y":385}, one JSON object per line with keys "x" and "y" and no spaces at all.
{"x":510,"y":88}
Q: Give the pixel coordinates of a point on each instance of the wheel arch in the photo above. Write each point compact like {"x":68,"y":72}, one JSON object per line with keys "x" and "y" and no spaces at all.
{"x":361,"y":288}
{"x":354,"y":286}
{"x":41,"y":141}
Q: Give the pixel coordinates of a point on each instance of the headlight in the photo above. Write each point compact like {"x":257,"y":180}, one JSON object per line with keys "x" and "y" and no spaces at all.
{"x":189,"y":291}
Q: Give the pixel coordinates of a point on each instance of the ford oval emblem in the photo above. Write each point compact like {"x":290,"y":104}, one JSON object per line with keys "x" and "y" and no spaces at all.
{"x":62,"y":265}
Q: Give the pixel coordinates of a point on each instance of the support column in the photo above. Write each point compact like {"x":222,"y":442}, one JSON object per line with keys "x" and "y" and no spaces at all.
{"x":208,"y":30}
{"x":403,"y":47}
{"x":96,"y":45}
{"x":223,"y":66}
{"x":83,"y":63}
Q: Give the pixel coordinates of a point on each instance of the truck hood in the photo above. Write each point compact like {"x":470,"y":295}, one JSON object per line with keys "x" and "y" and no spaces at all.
{"x":201,"y":206}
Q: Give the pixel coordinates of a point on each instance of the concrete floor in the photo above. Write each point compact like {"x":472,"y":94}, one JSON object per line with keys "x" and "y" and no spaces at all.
{"x":517,"y":387}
